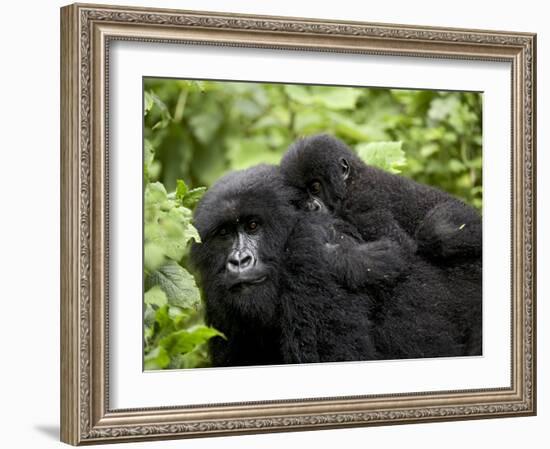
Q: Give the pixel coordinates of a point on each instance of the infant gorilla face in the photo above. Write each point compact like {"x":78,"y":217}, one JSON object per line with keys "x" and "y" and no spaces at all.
{"x":318,"y":168}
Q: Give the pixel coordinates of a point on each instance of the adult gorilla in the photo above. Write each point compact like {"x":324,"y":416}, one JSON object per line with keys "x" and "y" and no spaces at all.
{"x":268,"y":292}
{"x":288,"y":286}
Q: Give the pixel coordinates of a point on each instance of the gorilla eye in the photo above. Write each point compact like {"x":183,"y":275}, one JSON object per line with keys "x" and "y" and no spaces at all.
{"x":252,"y":226}
{"x":222,"y":231}
{"x":315,"y":188}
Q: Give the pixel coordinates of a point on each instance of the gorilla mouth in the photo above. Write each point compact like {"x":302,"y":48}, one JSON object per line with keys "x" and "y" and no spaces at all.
{"x":242,"y":282}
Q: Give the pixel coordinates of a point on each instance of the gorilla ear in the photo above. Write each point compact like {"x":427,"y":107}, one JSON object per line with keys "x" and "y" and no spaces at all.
{"x":345,"y":168}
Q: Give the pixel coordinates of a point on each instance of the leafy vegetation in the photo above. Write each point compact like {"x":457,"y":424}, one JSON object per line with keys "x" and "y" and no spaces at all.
{"x":175,"y":335}
{"x":201,"y":130}
{"x":196,"y":131}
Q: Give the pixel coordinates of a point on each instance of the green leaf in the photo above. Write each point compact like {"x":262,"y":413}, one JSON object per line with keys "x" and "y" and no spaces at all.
{"x":197,"y":358}
{"x":155,"y":194}
{"x":385,"y":155}
{"x":148,"y":330}
{"x":147,"y":102}
{"x":192,"y":197}
{"x":185,"y":341}
{"x":247,"y":108}
{"x":149,"y":318}
{"x":168,"y":234}
{"x":429,"y":149}
{"x":347,"y":128}
{"x":441,"y":108}
{"x":178,"y":315}
{"x":199,"y":85}
{"x":167,"y":225}
{"x":155,"y":296}
{"x":158,"y":358}
{"x":247,"y":153}
{"x":336,"y":98}
{"x":164,"y":321}
{"x":178,"y":284}
{"x":478,"y":190}
{"x":476,"y":163}
{"x":309,"y":121}
{"x":181,"y":189}
{"x":191,"y":233}
{"x":206,"y":121}
{"x":299,"y":94}
{"x":180,"y":105}
{"x":456,"y":166}
{"x":157,"y":103}
{"x":153,"y":256}
{"x":148,"y":156}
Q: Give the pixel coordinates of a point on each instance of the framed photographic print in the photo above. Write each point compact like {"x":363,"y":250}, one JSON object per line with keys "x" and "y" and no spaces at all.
{"x":279,"y":224}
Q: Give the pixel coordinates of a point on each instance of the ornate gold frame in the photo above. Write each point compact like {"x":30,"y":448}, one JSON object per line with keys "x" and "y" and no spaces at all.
{"x":86,"y":31}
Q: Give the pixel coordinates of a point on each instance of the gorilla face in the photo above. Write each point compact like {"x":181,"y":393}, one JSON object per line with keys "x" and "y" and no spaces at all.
{"x":243,"y":221}
{"x":319,"y":168}
{"x":243,"y":265}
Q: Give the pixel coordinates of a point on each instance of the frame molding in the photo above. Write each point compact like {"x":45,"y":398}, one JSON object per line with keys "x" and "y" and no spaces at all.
{"x":86,"y":31}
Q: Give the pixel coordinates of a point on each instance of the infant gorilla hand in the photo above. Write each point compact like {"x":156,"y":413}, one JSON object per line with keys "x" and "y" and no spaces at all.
{"x":357,"y":265}
{"x":336,"y":239}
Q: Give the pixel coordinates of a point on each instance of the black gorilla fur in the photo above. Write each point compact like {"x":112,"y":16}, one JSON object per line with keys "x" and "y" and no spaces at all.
{"x":380,"y":204}
{"x":310,"y":299}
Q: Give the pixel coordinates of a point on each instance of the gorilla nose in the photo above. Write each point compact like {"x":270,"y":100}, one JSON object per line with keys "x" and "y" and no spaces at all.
{"x":240,"y":261}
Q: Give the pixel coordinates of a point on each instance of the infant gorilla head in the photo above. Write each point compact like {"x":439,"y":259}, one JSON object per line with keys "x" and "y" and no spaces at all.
{"x":318,"y":168}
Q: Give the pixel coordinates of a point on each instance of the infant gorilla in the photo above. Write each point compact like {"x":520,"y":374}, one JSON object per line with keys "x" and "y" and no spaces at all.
{"x":289,"y":286}
{"x":416,"y":217}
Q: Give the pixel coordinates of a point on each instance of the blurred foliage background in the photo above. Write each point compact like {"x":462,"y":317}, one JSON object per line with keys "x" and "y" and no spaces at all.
{"x":202,"y":129}
{"x":196,"y":131}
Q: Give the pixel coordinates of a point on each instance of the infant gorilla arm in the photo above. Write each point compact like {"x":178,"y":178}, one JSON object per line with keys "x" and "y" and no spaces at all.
{"x":381,"y":205}
{"x":357,"y":264}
